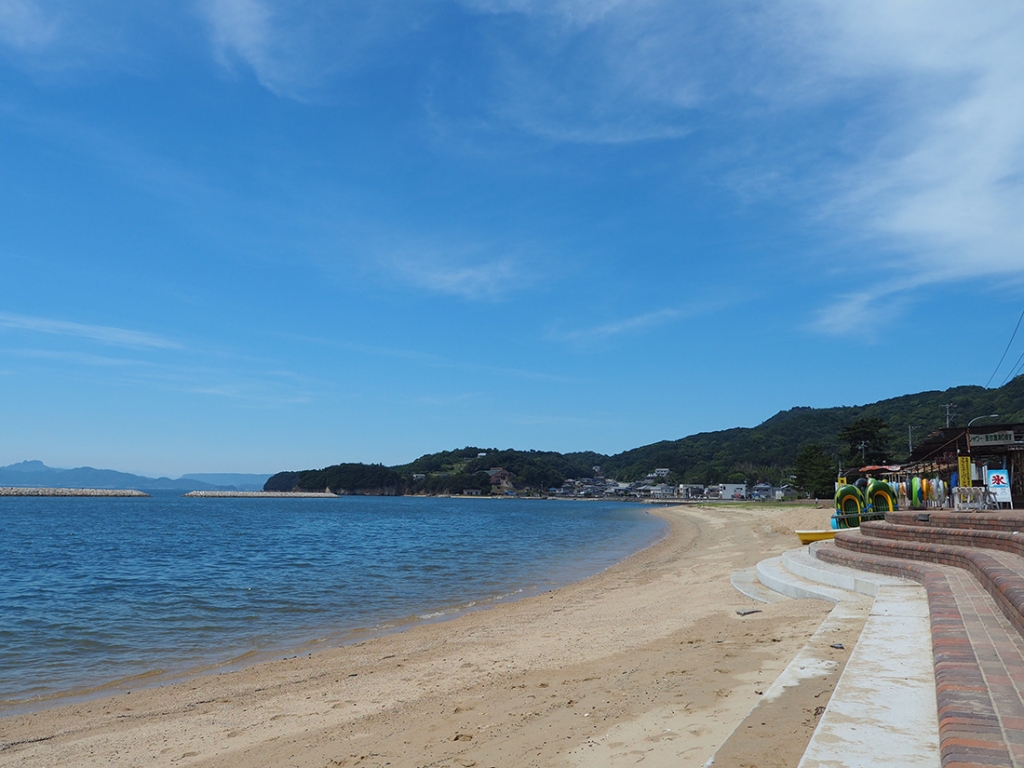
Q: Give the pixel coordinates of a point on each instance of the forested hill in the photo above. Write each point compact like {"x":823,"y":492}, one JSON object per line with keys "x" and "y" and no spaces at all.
{"x":766,"y":452}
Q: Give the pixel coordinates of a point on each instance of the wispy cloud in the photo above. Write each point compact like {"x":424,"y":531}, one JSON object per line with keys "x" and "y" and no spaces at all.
{"x":626,"y":326}
{"x":102,"y":333}
{"x":466,"y":272}
{"x":936,"y":190}
{"x":866,"y":314}
{"x":24,"y":26}
{"x":298,"y":47}
{"x":641,"y":323}
{"x":591,"y":72}
{"x":433,"y":360}
{"x":921,"y":167}
{"x":72,"y":40}
{"x":240,"y":30}
{"x":255,"y":385}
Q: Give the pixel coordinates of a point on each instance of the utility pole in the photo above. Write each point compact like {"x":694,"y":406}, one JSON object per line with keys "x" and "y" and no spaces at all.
{"x":949,"y":416}
{"x":863,"y":446}
{"x":910,"y":437}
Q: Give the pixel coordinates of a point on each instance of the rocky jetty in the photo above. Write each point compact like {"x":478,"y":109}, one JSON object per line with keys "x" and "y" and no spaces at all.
{"x":11,"y":491}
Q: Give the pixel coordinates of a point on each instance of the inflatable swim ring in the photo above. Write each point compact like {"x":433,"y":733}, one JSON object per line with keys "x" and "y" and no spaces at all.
{"x":881,"y":499}
{"x":849,"y":507}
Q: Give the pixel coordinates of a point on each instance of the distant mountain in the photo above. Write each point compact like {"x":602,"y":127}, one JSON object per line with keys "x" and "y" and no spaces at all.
{"x":29,"y":466}
{"x":237,"y":480}
{"x":35,"y":474}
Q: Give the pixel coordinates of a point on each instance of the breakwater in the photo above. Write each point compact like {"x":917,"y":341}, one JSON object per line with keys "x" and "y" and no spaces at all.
{"x":257,"y":495}
{"x":13,"y":491}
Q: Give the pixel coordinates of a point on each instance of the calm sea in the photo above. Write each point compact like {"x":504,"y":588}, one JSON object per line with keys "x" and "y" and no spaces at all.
{"x":99,"y":593}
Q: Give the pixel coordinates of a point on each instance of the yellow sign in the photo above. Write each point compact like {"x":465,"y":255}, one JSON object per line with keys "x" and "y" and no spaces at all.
{"x":842,"y":481}
{"x":965,"y":471}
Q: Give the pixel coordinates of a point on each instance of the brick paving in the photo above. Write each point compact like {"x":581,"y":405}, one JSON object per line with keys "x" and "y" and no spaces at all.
{"x":972,"y":567}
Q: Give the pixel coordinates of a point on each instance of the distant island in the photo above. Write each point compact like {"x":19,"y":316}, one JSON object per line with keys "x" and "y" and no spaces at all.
{"x":35,"y":474}
{"x":800,"y":448}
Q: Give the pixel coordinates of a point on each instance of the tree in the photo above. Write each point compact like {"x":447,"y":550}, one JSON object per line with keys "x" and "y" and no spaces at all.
{"x":816,"y":471}
{"x":866,"y":441}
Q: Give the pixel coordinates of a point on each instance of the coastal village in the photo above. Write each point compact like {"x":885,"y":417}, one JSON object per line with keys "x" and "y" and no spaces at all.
{"x":992,"y":456}
{"x":651,"y":487}
{"x":654,"y":487}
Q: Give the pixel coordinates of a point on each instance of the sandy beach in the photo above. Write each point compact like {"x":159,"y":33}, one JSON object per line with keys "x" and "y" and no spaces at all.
{"x":648,"y":662}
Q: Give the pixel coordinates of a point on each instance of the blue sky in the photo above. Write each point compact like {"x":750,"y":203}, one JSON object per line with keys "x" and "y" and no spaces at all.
{"x":255,"y":235}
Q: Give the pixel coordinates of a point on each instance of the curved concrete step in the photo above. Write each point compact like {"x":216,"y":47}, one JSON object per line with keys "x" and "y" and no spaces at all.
{"x":774,"y":574}
{"x":745,"y":582}
{"x":883,"y":710}
{"x":802,"y":562}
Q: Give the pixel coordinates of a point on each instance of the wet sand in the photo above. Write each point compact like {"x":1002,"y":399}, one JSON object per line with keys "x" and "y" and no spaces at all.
{"x":647,"y":662}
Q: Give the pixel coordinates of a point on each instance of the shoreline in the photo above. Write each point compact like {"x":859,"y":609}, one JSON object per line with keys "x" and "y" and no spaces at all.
{"x":166,"y":672}
{"x":487,"y":685}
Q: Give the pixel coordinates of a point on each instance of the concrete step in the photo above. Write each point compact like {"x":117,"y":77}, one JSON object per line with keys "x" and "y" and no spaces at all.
{"x":745,"y":582}
{"x":774,"y":574}
{"x":802,"y":562}
{"x":883,"y":709}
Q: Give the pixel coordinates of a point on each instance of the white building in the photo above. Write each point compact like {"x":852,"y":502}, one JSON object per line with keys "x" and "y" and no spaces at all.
{"x":733,"y":490}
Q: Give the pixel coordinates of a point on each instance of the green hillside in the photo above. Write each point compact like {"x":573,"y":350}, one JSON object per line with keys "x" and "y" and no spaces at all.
{"x":875,"y":432}
{"x":768,"y":451}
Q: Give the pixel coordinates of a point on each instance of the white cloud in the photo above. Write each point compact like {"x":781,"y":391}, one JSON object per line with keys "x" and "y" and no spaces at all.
{"x":298,"y":48}
{"x":936,"y":189}
{"x":628,"y":325}
{"x":574,"y":13}
{"x":478,"y":281}
{"x":102,"y":333}
{"x":24,"y":26}
{"x":900,"y":126}
{"x":607,"y":72}
{"x":241,"y":29}
{"x":468,"y":271}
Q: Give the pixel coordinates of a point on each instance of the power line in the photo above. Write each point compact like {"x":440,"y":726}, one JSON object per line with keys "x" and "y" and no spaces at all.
{"x":1015,"y":369}
{"x":1012,"y":337}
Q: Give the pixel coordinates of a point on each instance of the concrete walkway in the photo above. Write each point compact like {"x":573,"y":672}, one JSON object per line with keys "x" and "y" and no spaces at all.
{"x":883,"y":710}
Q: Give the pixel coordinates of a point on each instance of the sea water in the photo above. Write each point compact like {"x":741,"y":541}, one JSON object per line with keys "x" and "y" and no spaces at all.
{"x":105,"y":593}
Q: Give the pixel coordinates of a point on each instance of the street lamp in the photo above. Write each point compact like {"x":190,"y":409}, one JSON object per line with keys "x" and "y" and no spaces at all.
{"x":967,"y":432}
{"x":989,"y":416}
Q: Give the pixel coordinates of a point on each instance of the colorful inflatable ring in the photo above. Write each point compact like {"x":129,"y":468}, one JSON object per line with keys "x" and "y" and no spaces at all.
{"x":881,"y":498}
{"x":849,"y":507}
